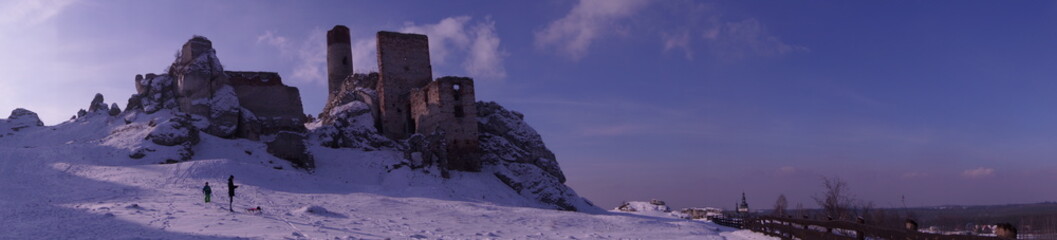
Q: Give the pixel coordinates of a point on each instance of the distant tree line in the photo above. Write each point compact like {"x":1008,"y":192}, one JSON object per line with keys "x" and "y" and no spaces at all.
{"x":837,"y":203}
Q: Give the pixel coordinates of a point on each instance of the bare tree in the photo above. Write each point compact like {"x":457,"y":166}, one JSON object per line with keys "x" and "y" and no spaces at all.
{"x":836,"y":201}
{"x":780,"y":205}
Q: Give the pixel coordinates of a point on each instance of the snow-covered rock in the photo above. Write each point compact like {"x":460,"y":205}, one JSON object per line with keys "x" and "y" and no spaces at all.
{"x":505,"y":137}
{"x":223,"y":112}
{"x":174,"y":131}
{"x":517,"y":156}
{"x":21,"y":118}
{"x":114,"y":109}
{"x":153,"y":93}
{"x":349,"y":126}
{"x":203,"y":89}
{"x":98,"y":104}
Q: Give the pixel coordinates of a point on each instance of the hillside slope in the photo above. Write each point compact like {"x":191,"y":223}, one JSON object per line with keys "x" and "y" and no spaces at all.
{"x":77,"y":180}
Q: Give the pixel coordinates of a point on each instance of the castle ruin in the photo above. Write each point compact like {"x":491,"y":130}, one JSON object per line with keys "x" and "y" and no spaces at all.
{"x":409,"y":101}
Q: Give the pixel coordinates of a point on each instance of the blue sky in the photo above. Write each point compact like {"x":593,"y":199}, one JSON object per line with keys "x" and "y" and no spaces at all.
{"x":692,"y":102}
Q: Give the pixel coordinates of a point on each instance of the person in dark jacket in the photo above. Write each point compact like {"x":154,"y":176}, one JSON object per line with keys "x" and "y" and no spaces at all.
{"x":231,"y":192}
{"x":208,"y":192}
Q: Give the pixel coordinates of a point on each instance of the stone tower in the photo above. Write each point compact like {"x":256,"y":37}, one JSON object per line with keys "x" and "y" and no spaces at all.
{"x":403,"y":65}
{"x":339,"y":57}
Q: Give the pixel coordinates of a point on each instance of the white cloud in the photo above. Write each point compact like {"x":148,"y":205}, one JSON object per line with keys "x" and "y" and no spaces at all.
{"x":680,"y":41}
{"x":451,"y":40}
{"x":476,"y":44}
{"x":310,"y":54}
{"x":744,"y":39}
{"x":31,"y":12}
{"x":364,"y":55}
{"x":486,"y":58}
{"x":448,"y":32}
{"x":678,"y":23}
{"x":589,"y":20}
{"x":978,"y":173}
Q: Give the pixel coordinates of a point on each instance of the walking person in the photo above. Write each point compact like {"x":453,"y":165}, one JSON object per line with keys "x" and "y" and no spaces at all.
{"x":231,"y":192}
{"x":208,"y":192}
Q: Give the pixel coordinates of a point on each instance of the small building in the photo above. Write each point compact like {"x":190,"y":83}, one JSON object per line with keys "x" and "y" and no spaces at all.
{"x":743,"y":207}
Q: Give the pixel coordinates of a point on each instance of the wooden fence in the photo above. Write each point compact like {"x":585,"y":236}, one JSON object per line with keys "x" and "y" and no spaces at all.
{"x":789,"y":228}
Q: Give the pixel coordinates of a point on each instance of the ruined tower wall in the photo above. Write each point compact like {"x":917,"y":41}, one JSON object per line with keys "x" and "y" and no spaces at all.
{"x":339,"y":57}
{"x":448,"y":104}
{"x":403,"y":65}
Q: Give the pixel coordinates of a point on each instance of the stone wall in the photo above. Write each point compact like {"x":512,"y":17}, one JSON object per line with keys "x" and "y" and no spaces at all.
{"x":271,"y":111}
{"x":275,"y":106}
{"x":448,"y":105}
{"x":403,"y":65}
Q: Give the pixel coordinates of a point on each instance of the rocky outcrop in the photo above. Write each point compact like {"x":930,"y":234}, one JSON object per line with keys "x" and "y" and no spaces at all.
{"x":357,"y":87}
{"x":202,"y":88}
{"x":175,"y":131}
{"x":251,"y":105}
{"x":153,"y":93}
{"x":505,"y":137}
{"x":517,"y":156}
{"x":20,"y":119}
{"x":114,"y":109}
{"x":350,"y":126}
{"x":98,"y":104}
{"x":348,"y":119}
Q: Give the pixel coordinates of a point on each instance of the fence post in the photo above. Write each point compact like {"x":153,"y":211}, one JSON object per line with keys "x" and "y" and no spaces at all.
{"x":859,"y":234}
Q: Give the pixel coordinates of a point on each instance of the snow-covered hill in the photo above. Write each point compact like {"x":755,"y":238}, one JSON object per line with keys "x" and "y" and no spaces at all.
{"x":77,"y":180}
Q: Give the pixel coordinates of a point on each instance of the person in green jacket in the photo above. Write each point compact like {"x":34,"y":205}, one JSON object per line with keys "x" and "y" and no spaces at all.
{"x":208,"y":192}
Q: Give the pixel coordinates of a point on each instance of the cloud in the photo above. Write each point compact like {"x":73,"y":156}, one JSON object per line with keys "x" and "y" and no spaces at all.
{"x":449,"y":32}
{"x":978,"y":173}
{"x":486,"y":58}
{"x":364,"y":55}
{"x":589,"y":20}
{"x":475,"y":43}
{"x":451,"y":40}
{"x":680,"y":41}
{"x":681,"y":25}
{"x":744,"y":39}
{"x":31,"y":12}
{"x":310,"y":55}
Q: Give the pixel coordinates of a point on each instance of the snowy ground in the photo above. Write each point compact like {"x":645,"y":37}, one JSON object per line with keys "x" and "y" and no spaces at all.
{"x":75,"y":180}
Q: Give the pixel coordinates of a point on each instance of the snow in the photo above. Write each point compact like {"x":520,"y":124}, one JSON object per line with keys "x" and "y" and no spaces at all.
{"x":76,"y":181}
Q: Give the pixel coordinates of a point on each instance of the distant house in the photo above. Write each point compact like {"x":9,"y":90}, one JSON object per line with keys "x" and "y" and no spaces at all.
{"x":702,"y":213}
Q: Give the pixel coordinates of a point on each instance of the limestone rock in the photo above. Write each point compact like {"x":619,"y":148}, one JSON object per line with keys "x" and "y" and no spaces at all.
{"x":534,"y":183}
{"x":516,"y":155}
{"x":202,"y":87}
{"x":506,"y":137}
{"x":97,"y":104}
{"x":175,"y":131}
{"x":359,"y":87}
{"x":154,"y":92}
{"x":224,"y":112}
{"x":114,"y":110}
{"x":350,"y":126}
{"x":21,"y":118}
